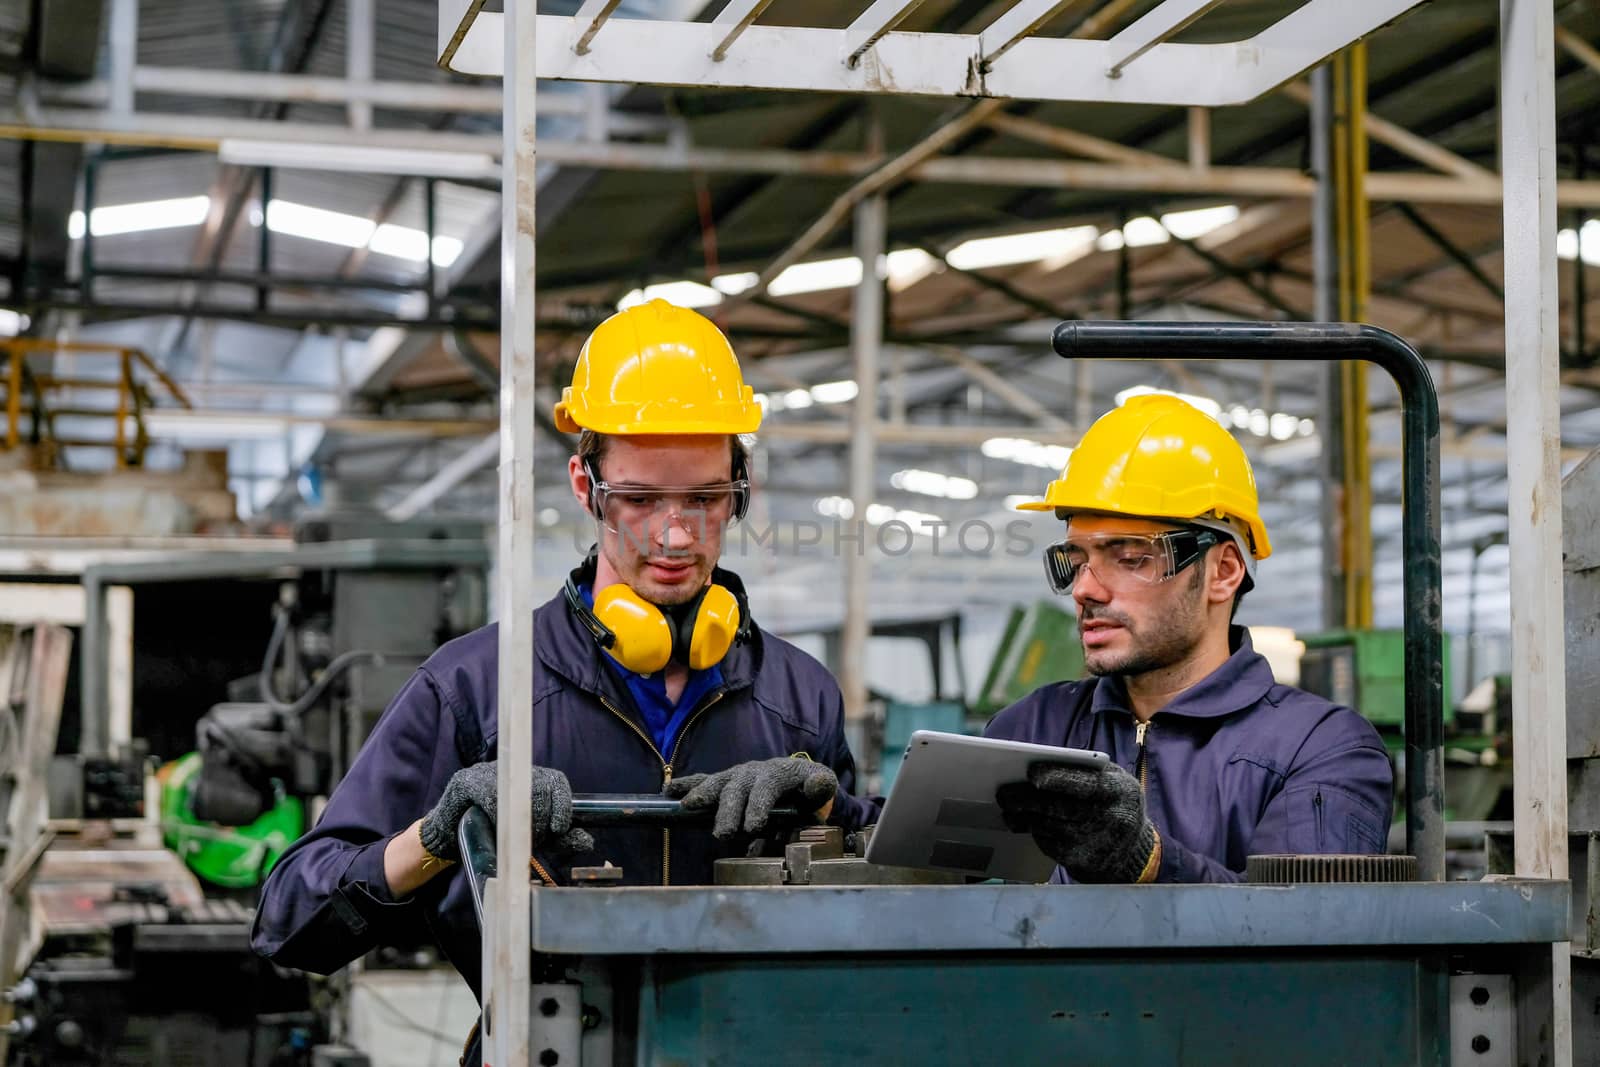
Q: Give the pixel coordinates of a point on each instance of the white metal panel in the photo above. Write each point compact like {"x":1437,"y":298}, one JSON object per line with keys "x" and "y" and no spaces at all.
{"x":1157,"y":25}
{"x":734,"y":19}
{"x":808,"y":58}
{"x":1017,"y":23}
{"x":873,"y":23}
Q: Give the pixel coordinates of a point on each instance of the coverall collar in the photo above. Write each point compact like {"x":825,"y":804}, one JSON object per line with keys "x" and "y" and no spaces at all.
{"x":1241,"y":682}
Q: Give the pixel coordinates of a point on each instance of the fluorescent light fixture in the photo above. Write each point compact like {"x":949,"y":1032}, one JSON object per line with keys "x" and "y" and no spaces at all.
{"x":684,"y":294}
{"x":1204,"y":403}
{"x":358,"y":159}
{"x":353,"y":231}
{"x":1296,"y":448}
{"x":734,"y":284}
{"x":1185,"y":225}
{"x":932,"y":483}
{"x":1049,"y":245}
{"x":835,"y":392}
{"x":549,"y":516}
{"x":142,"y":216}
{"x":842,"y":507}
{"x":817,"y":276}
{"x":908,"y":266}
{"x":903,"y":269}
{"x":403,"y":242}
{"x":1138,"y":233}
{"x":12,"y":322}
{"x":186,"y":426}
{"x":1189,"y":225}
{"x":1567,"y":243}
{"x":1030,"y":453}
{"x":798,"y":399}
{"x":319,"y":224}
{"x":917,"y":520}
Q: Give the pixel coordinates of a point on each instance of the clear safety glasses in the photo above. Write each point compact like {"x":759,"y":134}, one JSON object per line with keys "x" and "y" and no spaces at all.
{"x":1123,"y":562}
{"x":642,"y":511}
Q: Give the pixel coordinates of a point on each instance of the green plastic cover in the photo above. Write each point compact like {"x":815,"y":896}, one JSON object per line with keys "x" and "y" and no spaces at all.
{"x":233,"y":857}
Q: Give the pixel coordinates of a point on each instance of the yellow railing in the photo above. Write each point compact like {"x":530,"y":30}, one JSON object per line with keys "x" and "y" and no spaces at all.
{"x":132,"y":396}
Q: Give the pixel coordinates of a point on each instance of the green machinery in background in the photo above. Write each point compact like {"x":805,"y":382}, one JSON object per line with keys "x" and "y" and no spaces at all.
{"x":1040,"y":645}
{"x":233,"y":857}
{"x":1365,"y":670}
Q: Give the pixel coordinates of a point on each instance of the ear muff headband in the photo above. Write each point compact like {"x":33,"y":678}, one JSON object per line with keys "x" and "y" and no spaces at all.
{"x":643,"y":638}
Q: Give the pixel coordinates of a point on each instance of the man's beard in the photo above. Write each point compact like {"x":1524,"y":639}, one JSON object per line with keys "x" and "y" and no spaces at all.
{"x":1175,"y":638}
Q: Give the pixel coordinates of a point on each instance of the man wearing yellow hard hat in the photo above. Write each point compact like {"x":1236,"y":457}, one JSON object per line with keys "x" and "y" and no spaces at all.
{"x":1211,"y":759}
{"x":649,"y":674}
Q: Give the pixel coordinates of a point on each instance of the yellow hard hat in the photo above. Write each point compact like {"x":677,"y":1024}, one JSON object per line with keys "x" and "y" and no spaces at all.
{"x":657,"y":368}
{"x":1159,"y":457}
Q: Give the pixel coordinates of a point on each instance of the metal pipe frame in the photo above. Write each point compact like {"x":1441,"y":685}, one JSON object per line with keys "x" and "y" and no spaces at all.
{"x":1420,"y":535}
{"x":937,"y":64}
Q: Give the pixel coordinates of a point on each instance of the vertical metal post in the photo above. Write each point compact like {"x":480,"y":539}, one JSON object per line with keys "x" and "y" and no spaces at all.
{"x":13,"y":395}
{"x":1124,"y":269}
{"x":1580,"y":269}
{"x":91,"y":164}
{"x":264,"y":243}
{"x":124,"y":388}
{"x":1325,"y":274}
{"x":1533,"y":464}
{"x":123,"y":42}
{"x":1349,"y":73}
{"x":1083,"y":394}
{"x":1199,"y":138}
{"x":507,"y":934}
{"x":1533,"y":461}
{"x":359,"y":28}
{"x":1339,"y":225}
{"x":430,"y":211}
{"x":866,"y":339}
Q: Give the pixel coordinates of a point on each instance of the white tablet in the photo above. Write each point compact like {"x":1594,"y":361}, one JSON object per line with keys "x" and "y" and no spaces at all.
{"x":941,"y":813}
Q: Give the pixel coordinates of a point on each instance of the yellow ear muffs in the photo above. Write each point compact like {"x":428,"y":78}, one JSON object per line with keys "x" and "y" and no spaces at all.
{"x":643,"y":637}
{"x":716,"y":624}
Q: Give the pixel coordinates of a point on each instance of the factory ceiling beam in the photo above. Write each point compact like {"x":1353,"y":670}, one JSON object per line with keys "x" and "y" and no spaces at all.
{"x":881,"y":178}
{"x":203,"y":133}
{"x":1019,"y":400}
{"x":1405,"y":142}
{"x":1453,"y":252}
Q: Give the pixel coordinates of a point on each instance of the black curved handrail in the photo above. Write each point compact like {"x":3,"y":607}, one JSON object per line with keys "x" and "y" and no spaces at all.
{"x":1419,"y":403}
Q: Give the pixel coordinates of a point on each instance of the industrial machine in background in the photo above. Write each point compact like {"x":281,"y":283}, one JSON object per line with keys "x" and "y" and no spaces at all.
{"x":243,"y":720}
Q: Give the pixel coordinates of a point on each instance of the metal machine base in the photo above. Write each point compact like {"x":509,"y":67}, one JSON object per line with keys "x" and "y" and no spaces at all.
{"x":1192,"y":975}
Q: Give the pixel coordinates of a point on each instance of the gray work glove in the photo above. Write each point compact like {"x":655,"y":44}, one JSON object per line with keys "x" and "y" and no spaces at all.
{"x":744,"y":795}
{"x":478,"y":784}
{"x":1092,"y":822}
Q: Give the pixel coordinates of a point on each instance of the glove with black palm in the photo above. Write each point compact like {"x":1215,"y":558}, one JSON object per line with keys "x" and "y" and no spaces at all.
{"x":745,"y":794}
{"x":1092,"y":822}
{"x":478,"y":785}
